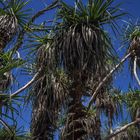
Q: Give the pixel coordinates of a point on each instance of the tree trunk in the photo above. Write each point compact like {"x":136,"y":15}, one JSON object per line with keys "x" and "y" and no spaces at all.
{"x":76,"y":111}
{"x":79,"y":124}
{"x":98,"y":131}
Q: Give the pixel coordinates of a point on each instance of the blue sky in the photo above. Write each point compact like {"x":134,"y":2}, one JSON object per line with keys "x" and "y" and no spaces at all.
{"x":122,"y":80}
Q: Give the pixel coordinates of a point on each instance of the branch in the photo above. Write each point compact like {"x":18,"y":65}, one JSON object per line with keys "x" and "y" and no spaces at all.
{"x":123,"y":128}
{"x":106,"y":78}
{"x":135,"y":70}
{"x":27,"y":85}
{"x":41,"y":12}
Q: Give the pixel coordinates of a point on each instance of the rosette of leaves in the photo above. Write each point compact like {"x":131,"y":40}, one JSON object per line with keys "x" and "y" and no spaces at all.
{"x":13,"y":15}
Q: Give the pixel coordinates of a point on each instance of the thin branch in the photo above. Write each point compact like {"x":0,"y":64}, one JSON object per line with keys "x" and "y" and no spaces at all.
{"x":41,"y":12}
{"x":26,"y":86}
{"x":106,"y":78}
{"x":135,"y":70}
{"x":6,"y":126}
{"x":123,"y":128}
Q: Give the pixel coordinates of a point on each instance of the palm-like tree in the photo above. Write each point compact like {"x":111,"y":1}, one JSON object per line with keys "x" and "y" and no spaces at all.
{"x":132,"y":37}
{"x":131,"y":99}
{"x":13,"y":17}
{"x":82,"y":51}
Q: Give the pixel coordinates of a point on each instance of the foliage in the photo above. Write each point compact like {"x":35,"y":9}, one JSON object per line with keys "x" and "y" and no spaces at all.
{"x":69,"y":56}
{"x":17,"y":134}
{"x":15,"y":8}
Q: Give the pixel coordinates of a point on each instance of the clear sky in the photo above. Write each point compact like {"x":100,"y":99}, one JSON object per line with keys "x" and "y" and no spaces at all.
{"x":130,"y":6}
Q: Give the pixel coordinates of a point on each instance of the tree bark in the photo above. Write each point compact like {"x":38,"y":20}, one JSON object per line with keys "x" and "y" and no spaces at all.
{"x":76,"y":111}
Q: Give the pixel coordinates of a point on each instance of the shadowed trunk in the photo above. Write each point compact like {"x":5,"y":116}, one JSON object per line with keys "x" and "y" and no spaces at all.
{"x":98,"y":134}
{"x":78,"y":125}
{"x":76,"y":111}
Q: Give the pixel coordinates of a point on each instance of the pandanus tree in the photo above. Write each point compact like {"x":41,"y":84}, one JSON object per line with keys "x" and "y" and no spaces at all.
{"x":131,"y":99}
{"x":82,"y":52}
{"x":13,"y":17}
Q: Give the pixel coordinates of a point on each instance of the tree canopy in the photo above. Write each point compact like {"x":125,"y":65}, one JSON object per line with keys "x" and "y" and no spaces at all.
{"x":71,"y":62}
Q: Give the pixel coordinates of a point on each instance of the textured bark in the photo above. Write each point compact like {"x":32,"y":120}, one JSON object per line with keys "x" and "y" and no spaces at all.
{"x":78,"y":126}
{"x":74,"y":129}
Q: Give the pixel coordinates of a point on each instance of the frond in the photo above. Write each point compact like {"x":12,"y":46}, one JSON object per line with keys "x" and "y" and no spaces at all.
{"x":83,"y":50}
{"x":6,"y":64}
{"x":16,"y":9}
{"x":95,"y":12}
{"x":18,"y":134}
{"x":131,"y":30}
{"x":13,"y":16}
{"x":49,"y":96}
